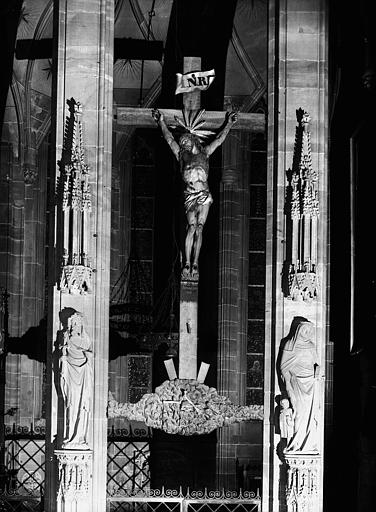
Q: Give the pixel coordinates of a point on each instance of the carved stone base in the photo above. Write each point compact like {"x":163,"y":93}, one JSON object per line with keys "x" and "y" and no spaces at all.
{"x":75,"y":477}
{"x":302,"y":483}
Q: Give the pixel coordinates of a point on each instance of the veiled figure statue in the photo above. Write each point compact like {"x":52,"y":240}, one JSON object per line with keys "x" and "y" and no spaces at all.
{"x":76,"y":376}
{"x":300,"y":371}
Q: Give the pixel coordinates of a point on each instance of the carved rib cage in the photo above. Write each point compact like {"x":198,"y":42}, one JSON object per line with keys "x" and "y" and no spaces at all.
{"x":302,"y":210}
{"x":76,"y":191}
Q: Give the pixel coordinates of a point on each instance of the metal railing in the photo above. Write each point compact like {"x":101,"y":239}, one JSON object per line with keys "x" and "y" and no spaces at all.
{"x":128,"y":478}
{"x":171,"y":500}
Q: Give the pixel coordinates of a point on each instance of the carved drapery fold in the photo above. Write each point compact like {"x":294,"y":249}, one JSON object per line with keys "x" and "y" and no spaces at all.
{"x":76,"y":276}
{"x":76,"y":381}
{"x":300,"y":417}
{"x":299,"y":372}
{"x":302,"y":211}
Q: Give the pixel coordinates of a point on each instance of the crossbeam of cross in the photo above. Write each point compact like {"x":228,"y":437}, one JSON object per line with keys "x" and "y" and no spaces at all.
{"x":141,"y":118}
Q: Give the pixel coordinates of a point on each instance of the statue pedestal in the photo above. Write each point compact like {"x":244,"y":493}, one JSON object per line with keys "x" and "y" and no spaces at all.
{"x":188,"y":329}
{"x":75,"y":480}
{"x":302,"y":482}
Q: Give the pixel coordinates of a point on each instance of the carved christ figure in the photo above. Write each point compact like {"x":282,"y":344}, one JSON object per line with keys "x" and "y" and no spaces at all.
{"x":76,"y":379}
{"x":193,"y":156}
{"x":300,"y":372}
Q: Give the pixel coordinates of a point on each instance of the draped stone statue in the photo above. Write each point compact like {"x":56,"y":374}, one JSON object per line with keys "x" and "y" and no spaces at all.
{"x":299,"y":371}
{"x":76,"y":375}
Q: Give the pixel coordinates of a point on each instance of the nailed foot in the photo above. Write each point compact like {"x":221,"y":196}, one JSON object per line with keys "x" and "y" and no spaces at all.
{"x":186,"y":271}
{"x":194,"y":270}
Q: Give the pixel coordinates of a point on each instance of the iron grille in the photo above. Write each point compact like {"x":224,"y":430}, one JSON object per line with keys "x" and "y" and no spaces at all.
{"x":213,"y":506}
{"x":16,"y":503}
{"x":25,"y":459}
{"x":22,"y":484}
{"x":128,"y":454}
{"x":161,"y":500}
{"x":155,"y":506}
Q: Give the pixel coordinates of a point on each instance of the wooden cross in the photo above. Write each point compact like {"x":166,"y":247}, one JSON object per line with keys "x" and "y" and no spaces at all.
{"x":142,"y":117}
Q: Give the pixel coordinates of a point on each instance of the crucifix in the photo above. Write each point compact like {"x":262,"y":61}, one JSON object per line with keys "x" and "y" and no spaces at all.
{"x":194,"y":195}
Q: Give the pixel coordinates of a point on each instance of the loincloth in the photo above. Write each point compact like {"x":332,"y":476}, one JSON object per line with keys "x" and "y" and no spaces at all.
{"x":192,"y":200}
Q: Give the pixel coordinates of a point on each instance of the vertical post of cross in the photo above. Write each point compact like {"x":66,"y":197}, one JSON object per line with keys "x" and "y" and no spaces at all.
{"x":192,"y":100}
{"x":189,"y":287}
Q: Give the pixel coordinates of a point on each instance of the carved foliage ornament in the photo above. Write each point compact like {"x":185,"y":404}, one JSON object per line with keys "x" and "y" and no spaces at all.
{"x":76,"y":279}
{"x":303,"y":285}
{"x":302,"y":484}
{"x":75,"y":199}
{"x":184,"y":407}
{"x":76,"y":176}
{"x":302,"y":209}
{"x":75,"y":470}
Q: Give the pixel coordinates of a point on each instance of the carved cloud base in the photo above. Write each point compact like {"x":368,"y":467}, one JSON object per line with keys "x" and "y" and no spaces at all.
{"x":75,"y":476}
{"x":302,"y":482}
{"x":185,"y":407}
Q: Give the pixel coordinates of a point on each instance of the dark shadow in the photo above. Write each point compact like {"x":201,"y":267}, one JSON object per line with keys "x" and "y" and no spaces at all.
{"x":32,"y":344}
{"x":283,"y":441}
{"x":119,"y":346}
{"x":283,"y":473}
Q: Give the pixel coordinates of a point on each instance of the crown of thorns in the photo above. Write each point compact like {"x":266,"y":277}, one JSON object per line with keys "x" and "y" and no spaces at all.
{"x":192,"y":123}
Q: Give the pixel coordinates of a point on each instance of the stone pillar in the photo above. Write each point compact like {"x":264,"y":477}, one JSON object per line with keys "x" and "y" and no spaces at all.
{"x":80,"y":245}
{"x":297,"y":80}
{"x":233,"y":270}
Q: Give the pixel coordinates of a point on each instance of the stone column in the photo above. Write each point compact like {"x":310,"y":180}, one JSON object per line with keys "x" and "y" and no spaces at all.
{"x":297,"y":80}
{"x":76,"y":459}
{"x":233,"y":279}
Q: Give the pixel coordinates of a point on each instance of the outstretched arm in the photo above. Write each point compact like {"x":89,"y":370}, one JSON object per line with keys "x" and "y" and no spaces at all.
{"x":232,"y":117}
{"x":159,"y":119}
